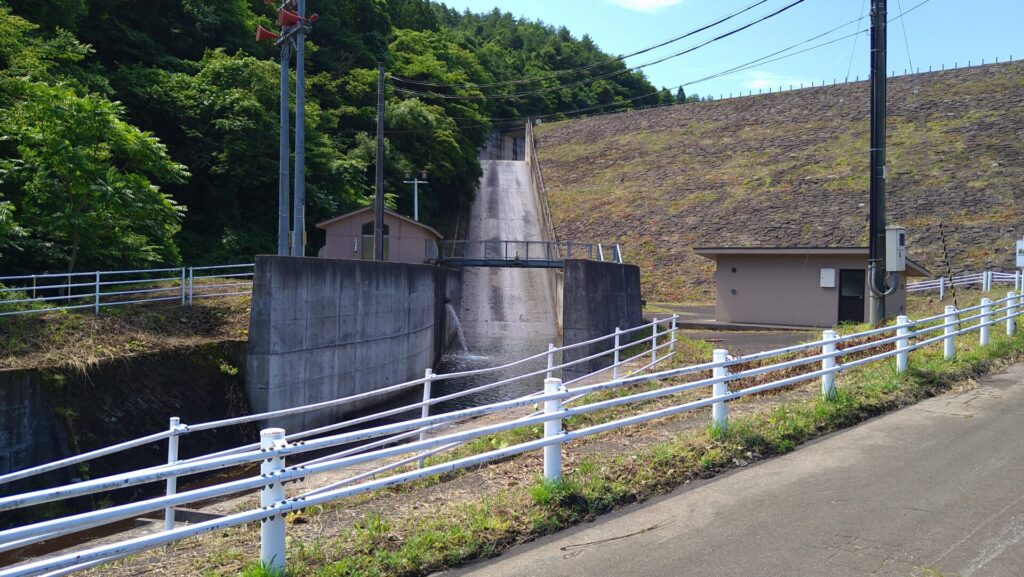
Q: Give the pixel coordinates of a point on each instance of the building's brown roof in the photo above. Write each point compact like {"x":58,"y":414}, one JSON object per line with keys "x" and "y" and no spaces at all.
{"x":346,"y":216}
{"x":913,"y":268}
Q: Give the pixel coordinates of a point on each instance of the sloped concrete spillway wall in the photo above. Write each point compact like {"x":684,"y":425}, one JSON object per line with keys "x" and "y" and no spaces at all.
{"x":597,"y":297}
{"x":322,"y":329}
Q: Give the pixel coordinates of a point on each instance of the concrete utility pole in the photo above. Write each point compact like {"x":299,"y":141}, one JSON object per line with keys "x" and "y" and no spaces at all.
{"x":416,"y":182}
{"x":283,"y":190}
{"x":299,"y":211}
{"x":378,"y":223}
{"x":876,"y":229}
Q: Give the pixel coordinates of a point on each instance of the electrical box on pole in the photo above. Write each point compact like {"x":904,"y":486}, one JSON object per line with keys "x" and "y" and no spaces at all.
{"x":895,"y":249}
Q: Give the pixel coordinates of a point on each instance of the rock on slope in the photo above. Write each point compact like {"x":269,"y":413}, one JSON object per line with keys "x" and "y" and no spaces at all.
{"x":791,"y":169}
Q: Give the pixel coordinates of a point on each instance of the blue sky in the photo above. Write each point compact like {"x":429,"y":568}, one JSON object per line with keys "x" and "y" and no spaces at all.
{"x":940,"y":32}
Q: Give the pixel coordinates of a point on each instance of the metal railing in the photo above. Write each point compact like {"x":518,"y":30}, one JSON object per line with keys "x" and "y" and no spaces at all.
{"x":983,"y":280}
{"x":727,"y":378}
{"x":40,"y":293}
{"x":525,"y":253}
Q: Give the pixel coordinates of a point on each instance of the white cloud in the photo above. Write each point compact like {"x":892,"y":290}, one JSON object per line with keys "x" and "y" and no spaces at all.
{"x":646,"y":5}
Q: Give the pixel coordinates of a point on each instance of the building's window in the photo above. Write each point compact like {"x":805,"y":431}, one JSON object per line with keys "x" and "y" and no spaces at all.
{"x":367,"y":253}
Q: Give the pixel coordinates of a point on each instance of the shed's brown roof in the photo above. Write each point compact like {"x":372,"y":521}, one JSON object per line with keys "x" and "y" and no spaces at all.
{"x":346,"y":216}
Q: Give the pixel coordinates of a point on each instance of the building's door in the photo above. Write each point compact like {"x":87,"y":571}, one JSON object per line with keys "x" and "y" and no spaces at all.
{"x":851,"y":296}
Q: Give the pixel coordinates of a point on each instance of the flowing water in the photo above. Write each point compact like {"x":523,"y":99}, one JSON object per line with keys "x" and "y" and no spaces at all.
{"x":460,"y":336}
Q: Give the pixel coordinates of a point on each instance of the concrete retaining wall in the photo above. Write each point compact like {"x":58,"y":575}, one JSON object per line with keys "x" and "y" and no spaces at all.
{"x":322,"y":329}
{"x":597,"y":297}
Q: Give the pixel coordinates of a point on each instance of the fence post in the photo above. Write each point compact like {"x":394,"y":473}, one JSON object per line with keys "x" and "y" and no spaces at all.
{"x":183,"y":291}
{"x":96,"y":301}
{"x":553,"y":428}
{"x":828,"y":380}
{"x":903,"y":343}
{"x":654,"y":342}
{"x":191,"y":284}
{"x":942,"y":287}
{"x":172,"y":482}
{"x":672,"y":348}
{"x":1011,"y":313}
{"x":428,"y":377}
{"x":33,"y":286}
{"x":986,"y":318}
{"x":949,"y":344}
{"x":272,"y":530}
{"x":615,"y":358}
{"x":551,"y":361}
{"x":719,"y":412}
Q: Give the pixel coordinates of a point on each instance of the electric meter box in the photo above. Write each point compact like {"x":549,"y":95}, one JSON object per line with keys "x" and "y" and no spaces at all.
{"x":895,"y":249}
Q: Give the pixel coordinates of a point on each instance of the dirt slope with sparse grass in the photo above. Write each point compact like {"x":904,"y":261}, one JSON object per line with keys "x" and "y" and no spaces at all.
{"x":791,"y":169}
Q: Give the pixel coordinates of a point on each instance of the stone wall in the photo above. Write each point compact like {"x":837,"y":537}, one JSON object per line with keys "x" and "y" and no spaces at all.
{"x":322,"y":329}
{"x":598,"y":296}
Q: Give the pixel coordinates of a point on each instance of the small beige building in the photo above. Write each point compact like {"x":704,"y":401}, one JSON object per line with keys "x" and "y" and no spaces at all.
{"x":812,"y":287}
{"x":350,"y":237}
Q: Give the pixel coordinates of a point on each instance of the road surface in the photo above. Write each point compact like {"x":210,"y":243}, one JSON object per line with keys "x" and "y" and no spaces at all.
{"x":933,"y":490}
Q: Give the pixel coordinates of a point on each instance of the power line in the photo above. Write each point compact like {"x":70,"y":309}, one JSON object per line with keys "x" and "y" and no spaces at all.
{"x":853,"y":51}
{"x":560,"y":73}
{"x":906,"y":41}
{"x":605,"y":76}
{"x":769,"y":58}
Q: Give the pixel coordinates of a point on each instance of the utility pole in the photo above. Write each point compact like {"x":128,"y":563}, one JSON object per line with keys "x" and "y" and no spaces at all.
{"x":299,"y":211}
{"x":283,"y":190}
{"x":416,"y":182}
{"x":378,"y":224}
{"x":877,"y":221}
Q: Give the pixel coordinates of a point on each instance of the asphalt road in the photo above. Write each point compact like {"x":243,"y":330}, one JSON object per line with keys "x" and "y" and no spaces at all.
{"x":933,"y":490}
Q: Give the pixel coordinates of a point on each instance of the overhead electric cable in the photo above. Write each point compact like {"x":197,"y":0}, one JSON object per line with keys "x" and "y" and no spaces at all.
{"x":605,"y":76}
{"x":906,"y":41}
{"x":739,"y":68}
{"x":560,"y":73}
{"x":853,"y":50}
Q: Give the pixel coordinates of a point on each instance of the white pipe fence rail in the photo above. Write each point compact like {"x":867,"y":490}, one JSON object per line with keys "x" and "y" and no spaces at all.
{"x":40,"y":293}
{"x":985,"y":280}
{"x":728,"y":378}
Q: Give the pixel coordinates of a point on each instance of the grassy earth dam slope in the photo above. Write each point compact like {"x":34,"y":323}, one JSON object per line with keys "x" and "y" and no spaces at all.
{"x":791,"y":169}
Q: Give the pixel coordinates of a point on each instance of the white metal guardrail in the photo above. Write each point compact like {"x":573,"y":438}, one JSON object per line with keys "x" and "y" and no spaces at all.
{"x":39,"y":293}
{"x":984,"y":280}
{"x":728,"y":378}
{"x":524,"y":252}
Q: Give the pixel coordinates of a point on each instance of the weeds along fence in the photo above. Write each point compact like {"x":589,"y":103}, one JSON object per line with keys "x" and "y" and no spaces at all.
{"x":985,"y":280}
{"x":724,"y":378}
{"x":40,"y":293}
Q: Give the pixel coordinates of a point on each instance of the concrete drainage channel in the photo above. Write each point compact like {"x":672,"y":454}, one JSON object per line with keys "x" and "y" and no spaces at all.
{"x":697,"y":322}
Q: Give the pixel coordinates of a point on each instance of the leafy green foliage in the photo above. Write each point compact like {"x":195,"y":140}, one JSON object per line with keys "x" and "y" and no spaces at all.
{"x":116,"y":118}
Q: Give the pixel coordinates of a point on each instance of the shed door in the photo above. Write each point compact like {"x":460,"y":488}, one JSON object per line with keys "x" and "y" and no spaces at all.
{"x":851,"y":295}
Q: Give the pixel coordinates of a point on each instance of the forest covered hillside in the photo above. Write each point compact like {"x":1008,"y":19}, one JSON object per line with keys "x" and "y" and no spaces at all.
{"x":791,"y":169}
{"x":139,"y":134}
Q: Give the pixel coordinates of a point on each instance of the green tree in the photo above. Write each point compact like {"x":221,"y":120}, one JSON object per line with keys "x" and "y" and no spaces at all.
{"x":81,"y":180}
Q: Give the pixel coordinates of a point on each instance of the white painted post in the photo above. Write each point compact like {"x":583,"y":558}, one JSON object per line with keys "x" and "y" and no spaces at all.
{"x":615,"y":358}
{"x":172,"y":482}
{"x":828,"y":380}
{"x":986,"y":318}
{"x":428,"y":375}
{"x":903,"y":343}
{"x":672,"y":348}
{"x":551,"y":361}
{"x":942,"y":288}
{"x":654,"y":342}
{"x":191,"y":284}
{"x":1011,"y":313}
{"x":272,"y":530}
{"x":719,"y":412}
{"x":949,"y":343}
{"x":96,"y":296}
{"x":553,"y":428}
{"x":184,"y":294}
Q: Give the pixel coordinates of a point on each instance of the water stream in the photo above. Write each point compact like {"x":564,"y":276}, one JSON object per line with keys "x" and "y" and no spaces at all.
{"x":459,"y":334}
